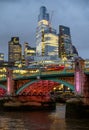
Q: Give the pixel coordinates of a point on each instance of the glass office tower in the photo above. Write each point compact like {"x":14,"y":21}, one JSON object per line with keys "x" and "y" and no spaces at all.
{"x":65,"y":44}
{"x":51,"y":43}
{"x":66,"y":48}
{"x":46,"y":37}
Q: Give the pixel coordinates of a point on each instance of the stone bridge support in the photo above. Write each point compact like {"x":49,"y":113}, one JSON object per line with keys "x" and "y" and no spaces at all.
{"x":10,"y":82}
{"x":79,"y":78}
{"x":86,"y":90}
{"x":81,"y":82}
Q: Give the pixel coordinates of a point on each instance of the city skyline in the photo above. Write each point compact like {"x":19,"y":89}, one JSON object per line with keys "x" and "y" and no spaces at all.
{"x":19,"y":18}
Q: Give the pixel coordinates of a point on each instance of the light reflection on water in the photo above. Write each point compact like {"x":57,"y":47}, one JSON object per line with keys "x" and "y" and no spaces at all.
{"x":41,"y":120}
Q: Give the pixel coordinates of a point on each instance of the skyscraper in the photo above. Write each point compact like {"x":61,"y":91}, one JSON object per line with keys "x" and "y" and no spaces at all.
{"x":66,"y":48}
{"x":46,"y":37}
{"x":65,"y":43}
{"x":14,"y":50}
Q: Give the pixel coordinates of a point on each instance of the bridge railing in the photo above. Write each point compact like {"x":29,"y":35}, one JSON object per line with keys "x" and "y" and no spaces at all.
{"x":42,"y":73}
{"x":27,"y":73}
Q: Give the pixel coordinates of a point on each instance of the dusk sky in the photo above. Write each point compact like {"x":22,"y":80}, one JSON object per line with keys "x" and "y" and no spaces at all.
{"x":19,"y":18}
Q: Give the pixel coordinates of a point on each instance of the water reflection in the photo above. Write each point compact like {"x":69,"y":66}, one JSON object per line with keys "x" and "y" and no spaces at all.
{"x":58,"y":118}
{"x":11,"y":124}
{"x":41,"y":120}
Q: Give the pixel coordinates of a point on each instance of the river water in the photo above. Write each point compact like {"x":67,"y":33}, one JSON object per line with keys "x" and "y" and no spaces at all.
{"x":41,"y":120}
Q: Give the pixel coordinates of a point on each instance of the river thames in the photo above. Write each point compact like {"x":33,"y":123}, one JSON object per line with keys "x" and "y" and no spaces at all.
{"x":41,"y":120}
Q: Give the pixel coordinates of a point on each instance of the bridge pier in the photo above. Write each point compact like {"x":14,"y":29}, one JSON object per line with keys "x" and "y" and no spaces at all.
{"x":79,"y":78}
{"x":86,"y":90}
{"x":10,"y":83}
{"x":81,"y":83}
{"x":79,"y":106}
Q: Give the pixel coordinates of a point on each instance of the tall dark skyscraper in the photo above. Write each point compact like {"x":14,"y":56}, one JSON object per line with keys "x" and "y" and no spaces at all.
{"x":65,"y":44}
{"x":14,"y":50}
{"x":66,"y":49}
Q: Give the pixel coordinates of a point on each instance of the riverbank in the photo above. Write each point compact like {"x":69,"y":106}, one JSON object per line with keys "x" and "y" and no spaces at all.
{"x":14,"y":105}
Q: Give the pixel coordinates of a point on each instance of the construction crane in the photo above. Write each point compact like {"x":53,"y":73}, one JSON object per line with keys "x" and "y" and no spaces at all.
{"x":50,"y":21}
{"x":43,"y":44}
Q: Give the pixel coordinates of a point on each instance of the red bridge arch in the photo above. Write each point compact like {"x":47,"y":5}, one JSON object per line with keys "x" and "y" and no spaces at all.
{"x":40,"y":87}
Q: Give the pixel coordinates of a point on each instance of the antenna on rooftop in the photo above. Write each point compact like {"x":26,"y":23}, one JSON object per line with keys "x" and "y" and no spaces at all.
{"x":50,"y":20}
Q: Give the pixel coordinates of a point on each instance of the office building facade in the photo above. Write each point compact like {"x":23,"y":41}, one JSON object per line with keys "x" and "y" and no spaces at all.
{"x":51,"y":43}
{"x":65,"y":43}
{"x":29,"y":52}
{"x":14,"y":50}
{"x":66,"y":48}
